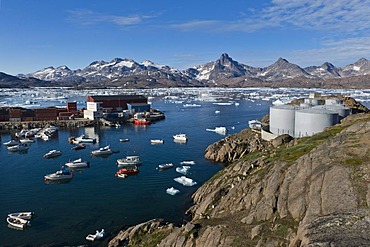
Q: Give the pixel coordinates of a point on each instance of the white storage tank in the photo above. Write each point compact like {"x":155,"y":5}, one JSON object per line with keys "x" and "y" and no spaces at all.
{"x":282,"y":119}
{"x":340,"y":109}
{"x":313,"y":120}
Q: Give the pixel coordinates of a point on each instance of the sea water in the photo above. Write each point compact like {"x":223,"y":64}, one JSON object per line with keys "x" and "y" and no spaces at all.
{"x":95,"y":198}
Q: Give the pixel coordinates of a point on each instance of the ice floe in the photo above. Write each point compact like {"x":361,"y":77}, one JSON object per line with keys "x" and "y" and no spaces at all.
{"x":185,"y":181}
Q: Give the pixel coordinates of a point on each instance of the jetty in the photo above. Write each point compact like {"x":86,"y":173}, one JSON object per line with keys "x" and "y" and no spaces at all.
{"x":81,"y":122}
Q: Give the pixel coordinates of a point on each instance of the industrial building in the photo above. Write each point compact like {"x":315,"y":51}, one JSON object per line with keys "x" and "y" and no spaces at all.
{"x":100,"y":106}
{"x":307,"y":119}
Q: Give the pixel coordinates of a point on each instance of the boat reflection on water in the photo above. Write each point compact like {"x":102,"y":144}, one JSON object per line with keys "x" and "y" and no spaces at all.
{"x":65,"y":181}
{"x":180,"y":141}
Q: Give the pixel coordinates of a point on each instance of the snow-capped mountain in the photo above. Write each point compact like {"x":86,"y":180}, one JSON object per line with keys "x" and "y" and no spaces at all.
{"x":223,"y":72}
{"x":326,"y":70}
{"x":361,"y":67}
{"x":223,"y":68}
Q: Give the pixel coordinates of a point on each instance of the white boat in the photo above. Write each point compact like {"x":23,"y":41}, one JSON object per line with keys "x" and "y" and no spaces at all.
{"x":84,"y":139}
{"x":11,"y":143}
{"x":60,"y":175}
{"x":187,"y":162}
{"x":102,"y":151}
{"x":22,"y":215}
{"x":124,"y":140}
{"x":180,"y":137}
{"x":183,"y":169}
{"x":172,"y":191}
{"x":254,"y":124}
{"x":191,"y":105}
{"x":122,"y":175}
{"x":17,"y":222}
{"x":78,"y":163}
{"x":52,"y":153}
{"x":218,"y":130}
{"x":26,"y":140}
{"x":217,"y":112}
{"x":165,"y":166}
{"x":156,"y":141}
{"x":129,"y":161}
{"x":19,"y":147}
{"x":96,"y":236}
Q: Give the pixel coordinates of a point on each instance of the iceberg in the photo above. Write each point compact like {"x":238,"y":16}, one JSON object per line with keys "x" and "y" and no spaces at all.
{"x":172,"y":191}
{"x":185,"y":181}
{"x":183,"y":169}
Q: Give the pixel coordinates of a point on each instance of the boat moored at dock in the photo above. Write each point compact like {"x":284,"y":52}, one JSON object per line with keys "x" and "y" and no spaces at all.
{"x":52,"y":153}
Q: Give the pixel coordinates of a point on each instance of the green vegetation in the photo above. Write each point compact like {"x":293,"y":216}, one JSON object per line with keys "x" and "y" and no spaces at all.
{"x":145,"y":239}
{"x":304,"y":145}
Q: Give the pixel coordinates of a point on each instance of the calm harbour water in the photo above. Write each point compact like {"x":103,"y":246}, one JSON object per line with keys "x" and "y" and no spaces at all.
{"x":95,"y":198}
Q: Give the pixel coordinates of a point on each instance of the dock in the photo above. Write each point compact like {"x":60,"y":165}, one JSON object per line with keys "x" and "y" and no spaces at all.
{"x":42,"y":124}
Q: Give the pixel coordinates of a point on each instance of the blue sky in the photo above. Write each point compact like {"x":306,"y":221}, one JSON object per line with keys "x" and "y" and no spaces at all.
{"x":35,"y":34}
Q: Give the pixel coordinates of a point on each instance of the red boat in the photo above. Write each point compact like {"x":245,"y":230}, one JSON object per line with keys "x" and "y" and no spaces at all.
{"x":127,"y":170}
{"x":141,"y":121}
{"x":78,"y":147}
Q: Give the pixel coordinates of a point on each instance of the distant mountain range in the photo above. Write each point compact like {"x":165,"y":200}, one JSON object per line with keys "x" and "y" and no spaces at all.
{"x":224,"y":72}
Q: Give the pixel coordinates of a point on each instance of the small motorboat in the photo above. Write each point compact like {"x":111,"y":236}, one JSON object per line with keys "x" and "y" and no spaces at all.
{"x":78,"y":163}
{"x":156,"y":141}
{"x":127,"y":170}
{"x":61,"y":175}
{"x":180,"y":137}
{"x":102,"y":151}
{"x":121,"y":175}
{"x":124,"y":140}
{"x":129,"y":161}
{"x":52,"y":153}
{"x":18,"y":148}
{"x":26,"y":140}
{"x":22,"y":215}
{"x":17,"y":222}
{"x":78,"y":147}
{"x":165,"y":166}
{"x":11,"y":143}
{"x":98,"y":235}
{"x":85,"y":139}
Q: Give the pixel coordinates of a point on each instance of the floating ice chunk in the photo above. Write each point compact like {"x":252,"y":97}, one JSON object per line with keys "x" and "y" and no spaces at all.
{"x":172,"y":191}
{"x":185,"y":181}
{"x":183,"y":169}
{"x":187,"y":162}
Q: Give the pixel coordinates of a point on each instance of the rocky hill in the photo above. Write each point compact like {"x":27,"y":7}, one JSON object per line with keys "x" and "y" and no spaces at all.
{"x":311,"y":191}
{"x":224,"y":72}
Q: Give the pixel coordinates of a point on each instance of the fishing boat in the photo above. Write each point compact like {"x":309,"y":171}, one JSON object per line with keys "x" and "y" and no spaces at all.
{"x":61,"y":175}
{"x":129,"y":161}
{"x":127,"y":170}
{"x":142,"y":121}
{"x":18,"y":148}
{"x":165,"y":166}
{"x":17,"y":222}
{"x":78,"y":147}
{"x":78,"y":163}
{"x":180,"y":137}
{"x":98,"y":235}
{"x":22,"y":215}
{"x":156,"y":141}
{"x":102,"y":151}
{"x":52,"y":153}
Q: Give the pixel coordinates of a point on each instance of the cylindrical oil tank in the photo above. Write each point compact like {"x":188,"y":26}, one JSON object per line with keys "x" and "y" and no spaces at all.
{"x":333,"y":101}
{"x":282,"y":119}
{"x":311,"y":121}
{"x":340,"y":109}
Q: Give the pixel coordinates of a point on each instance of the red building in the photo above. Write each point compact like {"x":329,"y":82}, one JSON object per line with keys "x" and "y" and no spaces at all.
{"x":117,"y":102}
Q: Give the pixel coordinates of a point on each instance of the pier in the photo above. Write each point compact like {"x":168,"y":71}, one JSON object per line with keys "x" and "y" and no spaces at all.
{"x":41,"y":124}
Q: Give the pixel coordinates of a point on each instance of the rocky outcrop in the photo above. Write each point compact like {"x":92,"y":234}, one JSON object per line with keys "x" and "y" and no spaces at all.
{"x":235,"y":146}
{"x":311,"y":192}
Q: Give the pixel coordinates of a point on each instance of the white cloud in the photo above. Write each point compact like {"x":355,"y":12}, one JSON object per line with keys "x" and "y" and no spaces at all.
{"x":87,"y":18}
{"x":324,"y":15}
